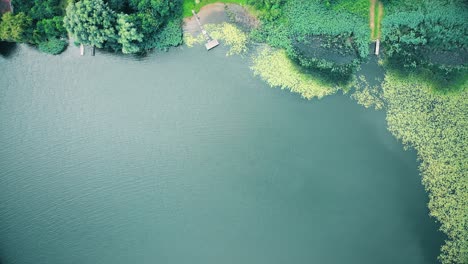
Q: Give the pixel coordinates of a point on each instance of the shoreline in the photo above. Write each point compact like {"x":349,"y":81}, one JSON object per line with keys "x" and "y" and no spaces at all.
{"x":218,"y":13}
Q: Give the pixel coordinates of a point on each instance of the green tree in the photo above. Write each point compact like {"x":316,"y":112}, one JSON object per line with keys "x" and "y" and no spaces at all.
{"x":91,"y":22}
{"x":45,"y":9}
{"x":129,"y":37}
{"x":271,"y":8}
{"x":47,"y":29}
{"x":15,"y":28}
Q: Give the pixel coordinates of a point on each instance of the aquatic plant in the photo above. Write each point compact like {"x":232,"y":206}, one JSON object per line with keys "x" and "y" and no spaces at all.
{"x":232,"y":36}
{"x":437,"y":127}
{"x":274,"y":67}
{"x":191,"y":40}
{"x":366,"y":95}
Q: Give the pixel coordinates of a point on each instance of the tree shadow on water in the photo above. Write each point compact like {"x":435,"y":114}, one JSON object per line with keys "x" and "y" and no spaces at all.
{"x":7,"y":49}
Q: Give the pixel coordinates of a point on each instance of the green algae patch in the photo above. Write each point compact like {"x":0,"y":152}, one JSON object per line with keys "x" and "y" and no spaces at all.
{"x":367,"y":95}
{"x":437,"y":127}
{"x":229,"y":35}
{"x":274,"y":67}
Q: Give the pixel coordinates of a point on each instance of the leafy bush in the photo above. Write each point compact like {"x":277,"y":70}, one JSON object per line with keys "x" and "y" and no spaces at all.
{"x":357,"y":7}
{"x":170,"y":35}
{"x":15,"y":28}
{"x":410,"y":36}
{"x":269,"y":9}
{"x":53,"y":46}
{"x":46,"y":20}
{"x":312,"y":18}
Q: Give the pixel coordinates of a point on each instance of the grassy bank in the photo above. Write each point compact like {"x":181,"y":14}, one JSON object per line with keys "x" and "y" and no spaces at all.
{"x":190,"y":5}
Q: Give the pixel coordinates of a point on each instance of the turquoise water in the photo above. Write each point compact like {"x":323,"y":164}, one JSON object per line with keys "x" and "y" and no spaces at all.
{"x":184,"y":157}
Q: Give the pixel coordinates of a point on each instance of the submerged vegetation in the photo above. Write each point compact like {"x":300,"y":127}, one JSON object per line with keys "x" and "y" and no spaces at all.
{"x":231,"y":35}
{"x":228,"y":33}
{"x":436,"y":126}
{"x":367,"y":95}
{"x":274,"y":67}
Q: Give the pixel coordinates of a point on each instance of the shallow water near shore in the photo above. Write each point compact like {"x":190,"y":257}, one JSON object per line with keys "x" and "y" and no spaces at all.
{"x":185,"y":157}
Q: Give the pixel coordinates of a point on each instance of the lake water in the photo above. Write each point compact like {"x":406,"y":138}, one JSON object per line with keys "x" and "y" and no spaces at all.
{"x":185,"y":157}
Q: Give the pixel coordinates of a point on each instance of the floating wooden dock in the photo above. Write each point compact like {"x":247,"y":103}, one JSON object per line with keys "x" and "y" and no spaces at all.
{"x":210,"y":42}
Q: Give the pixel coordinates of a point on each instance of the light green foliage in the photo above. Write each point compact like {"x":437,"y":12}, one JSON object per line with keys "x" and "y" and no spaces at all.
{"x":191,"y":40}
{"x":190,"y":5}
{"x":128,"y":35}
{"x":358,"y":7}
{"x":91,"y":22}
{"x":366,"y":95}
{"x":269,"y":9}
{"x":231,"y":35}
{"x":437,"y":127}
{"x":15,"y":28}
{"x":274,"y":67}
{"x":53,"y":46}
{"x":311,"y":17}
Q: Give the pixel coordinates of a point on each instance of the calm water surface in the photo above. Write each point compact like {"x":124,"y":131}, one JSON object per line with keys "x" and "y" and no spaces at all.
{"x":184,"y":157}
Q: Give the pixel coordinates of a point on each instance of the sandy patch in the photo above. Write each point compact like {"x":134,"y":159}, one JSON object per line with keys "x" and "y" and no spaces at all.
{"x":218,"y":13}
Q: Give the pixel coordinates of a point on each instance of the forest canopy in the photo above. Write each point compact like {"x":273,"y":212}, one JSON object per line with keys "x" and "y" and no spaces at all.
{"x":37,"y":22}
{"x":129,"y":26}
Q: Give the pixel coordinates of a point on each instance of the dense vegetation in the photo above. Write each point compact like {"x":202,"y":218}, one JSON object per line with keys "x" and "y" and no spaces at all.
{"x":437,"y":127}
{"x":37,"y":22}
{"x":131,"y":26}
{"x":429,"y":39}
{"x":190,"y":5}
{"x":274,"y":67}
{"x":328,"y":37}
